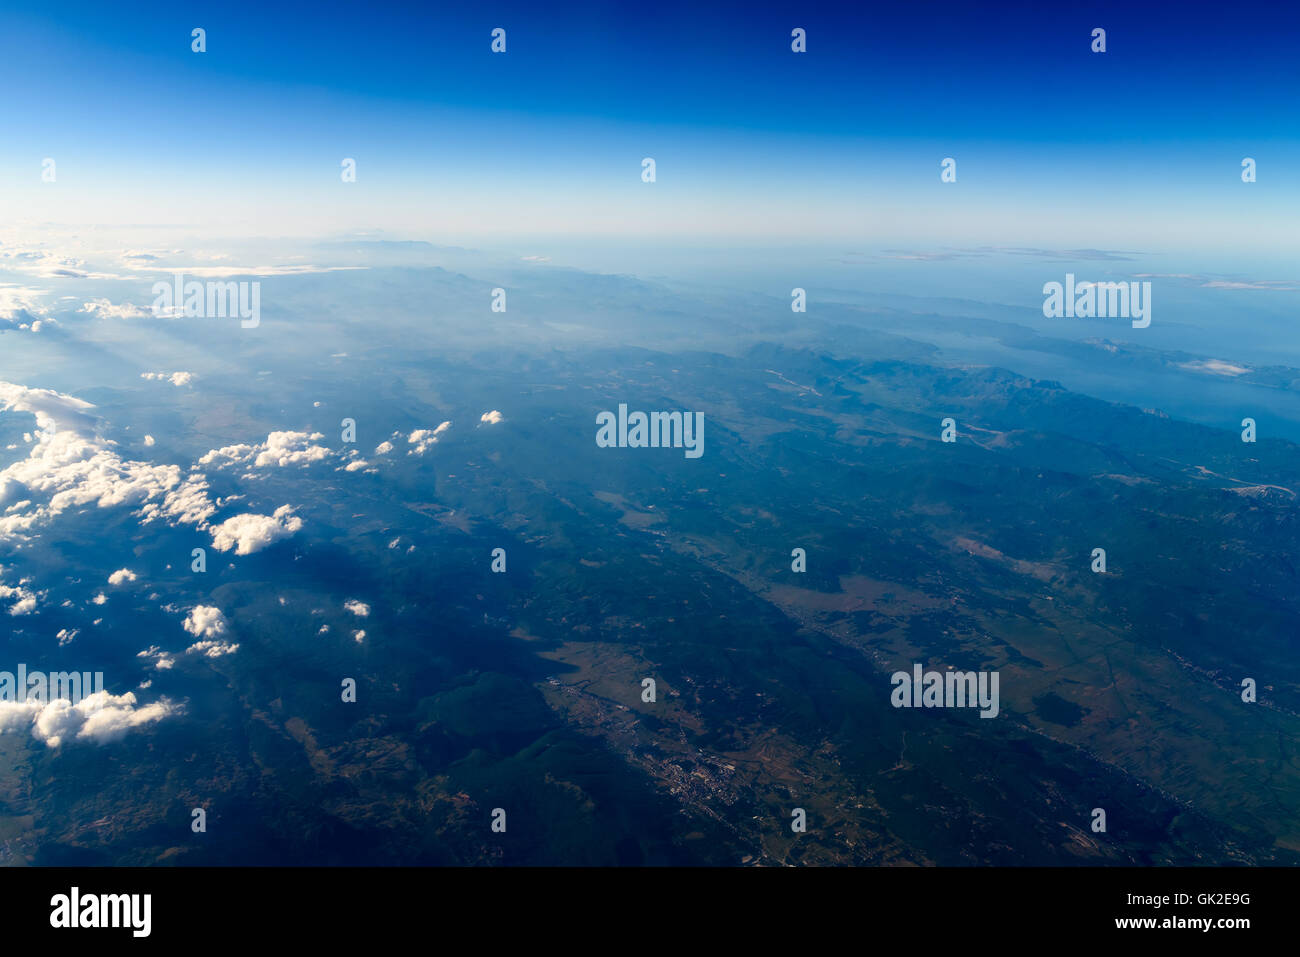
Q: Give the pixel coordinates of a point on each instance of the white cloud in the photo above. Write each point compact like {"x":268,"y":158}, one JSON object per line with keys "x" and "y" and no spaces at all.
{"x":122,"y":576}
{"x":188,"y":504}
{"x":425,"y":439}
{"x":383,"y":448}
{"x":205,"y":621}
{"x":215,"y":272}
{"x":24,"y":599}
{"x":175,"y":378}
{"x":103,"y":309}
{"x":251,"y":533}
{"x":491,"y":418}
{"x":358,"y":608}
{"x":360,"y":636}
{"x":212,"y":649}
{"x":1215,"y":367}
{"x":101,"y":717}
{"x":72,"y":467}
{"x":162,"y":660}
{"x":21,"y":306}
{"x":280,"y":448}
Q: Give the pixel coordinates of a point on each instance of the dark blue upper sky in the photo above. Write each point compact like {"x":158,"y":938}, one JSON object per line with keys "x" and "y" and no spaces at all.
{"x":1009,"y":71}
{"x":586,"y":89}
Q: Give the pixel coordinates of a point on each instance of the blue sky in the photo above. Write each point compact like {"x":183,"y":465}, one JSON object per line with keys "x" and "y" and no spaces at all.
{"x":1137,"y":147}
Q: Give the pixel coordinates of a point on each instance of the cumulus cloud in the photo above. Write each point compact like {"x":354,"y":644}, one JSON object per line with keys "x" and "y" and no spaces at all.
{"x":205,"y":621}
{"x":425,"y":439}
{"x":250,"y":533}
{"x":99,"y":718}
{"x":383,"y":448}
{"x":37,"y":260}
{"x":162,"y":660}
{"x":212,"y":649}
{"x":491,"y":418}
{"x":122,"y":576}
{"x":24,"y":599}
{"x":280,"y":448}
{"x":358,"y":608}
{"x":187,"y":504}
{"x":175,"y":378}
{"x":103,"y":309}
{"x":71,"y":466}
{"x":20,"y":307}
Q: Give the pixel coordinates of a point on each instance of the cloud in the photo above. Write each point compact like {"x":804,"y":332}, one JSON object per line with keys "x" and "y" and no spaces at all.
{"x":491,"y":418}
{"x":1071,"y":255}
{"x":122,"y":576}
{"x":217,"y":272}
{"x":187,"y":504}
{"x":48,"y":264}
{"x":21,"y":299}
{"x":383,"y":448}
{"x":280,"y":448}
{"x":1273,"y":284}
{"x":162,"y":660}
{"x":358,"y":608}
{"x":103,"y":309}
{"x":71,"y":466}
{"x":948,"y":254}
{"x":20,"y":308}
{"x":98,"y":718}
{"x":212,"y":649}
{"x":1221,"y":282}
{"x":425,"y":439}
{"x":175,"y":378}
{"x":24,"y":599}
{"x":1214,"y":367}
{"x":251,"y":533}
{"x":205,"y":621}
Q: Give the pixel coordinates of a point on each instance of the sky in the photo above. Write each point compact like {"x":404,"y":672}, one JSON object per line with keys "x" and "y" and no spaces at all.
{"x":1139,"y":147}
